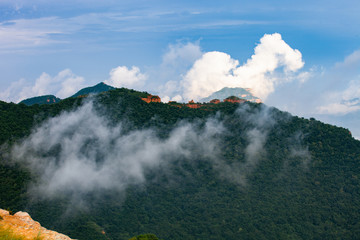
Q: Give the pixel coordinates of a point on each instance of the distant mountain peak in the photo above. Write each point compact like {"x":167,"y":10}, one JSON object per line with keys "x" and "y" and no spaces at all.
{"x":46,"y":99}
{"x":242,"y":93}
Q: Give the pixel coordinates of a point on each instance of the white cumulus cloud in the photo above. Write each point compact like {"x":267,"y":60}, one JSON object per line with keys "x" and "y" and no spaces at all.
{"x":273,"y":62}
{"x":210,"y":73}
{"x":124,"y":77}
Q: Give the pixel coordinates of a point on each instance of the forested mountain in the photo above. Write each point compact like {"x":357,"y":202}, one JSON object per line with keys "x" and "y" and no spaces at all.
{"x":112,"y":166}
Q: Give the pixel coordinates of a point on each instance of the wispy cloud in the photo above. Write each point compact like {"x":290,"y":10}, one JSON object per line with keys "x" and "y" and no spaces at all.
{"x":30,"y":32}
{"x":342,"y":102}
{"x":34,"y":32}
{"x":344,"y":96}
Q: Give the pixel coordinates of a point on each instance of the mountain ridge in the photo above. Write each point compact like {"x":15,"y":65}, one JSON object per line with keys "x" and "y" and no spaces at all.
{"x":50,"y":99}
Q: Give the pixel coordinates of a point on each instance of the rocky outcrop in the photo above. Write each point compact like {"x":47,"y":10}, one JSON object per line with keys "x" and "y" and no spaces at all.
{"x":151,"y":98}
{"x":22,"y":225}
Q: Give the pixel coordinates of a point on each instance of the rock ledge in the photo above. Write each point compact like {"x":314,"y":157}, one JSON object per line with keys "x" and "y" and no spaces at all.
{"x":22,"y":225}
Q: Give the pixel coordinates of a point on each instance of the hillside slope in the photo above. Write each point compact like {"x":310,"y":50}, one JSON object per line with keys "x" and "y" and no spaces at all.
{"x":222,"y":171}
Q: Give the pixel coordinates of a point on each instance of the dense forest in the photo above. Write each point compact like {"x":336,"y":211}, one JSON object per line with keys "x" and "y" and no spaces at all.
{"x":112,"y":166}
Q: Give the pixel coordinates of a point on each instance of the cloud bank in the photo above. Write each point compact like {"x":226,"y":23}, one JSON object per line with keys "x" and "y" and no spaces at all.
{"x":63,"y":85}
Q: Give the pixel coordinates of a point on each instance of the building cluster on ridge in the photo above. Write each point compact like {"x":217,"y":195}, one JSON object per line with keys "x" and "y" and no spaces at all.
{"x":151,"y":98}
{"x":191,"y":104}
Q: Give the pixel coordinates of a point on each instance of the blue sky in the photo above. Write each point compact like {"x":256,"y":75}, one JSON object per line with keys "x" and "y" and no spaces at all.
{"x":58,"y":47}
